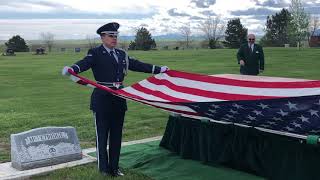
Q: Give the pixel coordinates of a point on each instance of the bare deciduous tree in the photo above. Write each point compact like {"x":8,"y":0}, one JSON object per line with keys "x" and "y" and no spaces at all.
{"x":92,"y":41}
{"x":313,"y":26}
{"x":300,"y":20}
{"x":213,"y":28}
{"x":186,"y":33}
{"x":48,"y":39}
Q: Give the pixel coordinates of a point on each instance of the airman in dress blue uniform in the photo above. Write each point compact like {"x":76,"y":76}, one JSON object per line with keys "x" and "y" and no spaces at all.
{"x":109,"y":66}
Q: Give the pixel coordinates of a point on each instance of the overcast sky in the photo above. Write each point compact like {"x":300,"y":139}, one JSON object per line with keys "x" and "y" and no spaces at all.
{"x":75,"y":19}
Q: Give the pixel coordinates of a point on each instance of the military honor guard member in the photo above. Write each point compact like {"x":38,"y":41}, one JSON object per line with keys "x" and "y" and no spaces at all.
{"x":109,"y":66}
{"x":250,"y":57}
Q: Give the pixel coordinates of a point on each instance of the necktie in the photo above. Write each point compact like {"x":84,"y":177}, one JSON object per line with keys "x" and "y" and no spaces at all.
{"x":112,"y":56}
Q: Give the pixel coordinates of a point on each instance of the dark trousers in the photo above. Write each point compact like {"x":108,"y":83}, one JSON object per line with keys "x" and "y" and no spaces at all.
{"x":108,"y":125}
{"x":242,"y":72}
{"x":245,"y":70}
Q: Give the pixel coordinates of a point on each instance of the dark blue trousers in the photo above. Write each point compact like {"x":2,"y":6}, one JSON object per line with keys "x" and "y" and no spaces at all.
{"x":108,"y":126}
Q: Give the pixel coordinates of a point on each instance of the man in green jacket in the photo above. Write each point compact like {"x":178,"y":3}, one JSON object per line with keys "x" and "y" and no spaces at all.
{"x":250,"y":57}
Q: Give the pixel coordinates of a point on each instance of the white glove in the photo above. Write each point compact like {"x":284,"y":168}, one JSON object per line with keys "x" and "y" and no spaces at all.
{"x":164,"y":69}
{"x":65,"y":71}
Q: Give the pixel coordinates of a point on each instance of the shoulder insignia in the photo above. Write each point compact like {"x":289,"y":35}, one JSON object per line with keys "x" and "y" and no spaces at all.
{"x":118,"y":50}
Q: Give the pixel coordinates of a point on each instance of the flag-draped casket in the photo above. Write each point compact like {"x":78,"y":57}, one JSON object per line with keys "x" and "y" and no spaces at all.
{"x":278,"y":104}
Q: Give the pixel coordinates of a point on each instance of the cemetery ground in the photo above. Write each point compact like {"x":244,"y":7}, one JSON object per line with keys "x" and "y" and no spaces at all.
{"x":33,"y":94}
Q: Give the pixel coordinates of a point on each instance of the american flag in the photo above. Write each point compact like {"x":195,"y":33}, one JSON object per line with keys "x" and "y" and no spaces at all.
{"x":280,"y":104}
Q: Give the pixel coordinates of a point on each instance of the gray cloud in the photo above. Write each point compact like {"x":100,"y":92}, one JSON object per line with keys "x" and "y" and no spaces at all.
{"x":257,"y":31}
{"x":59,"y":11}
{"x":208,"y":13}
{"x":165,"y":19}
{"x":309,"y":6}
{"x":196,"y":18}
{"x":165,"y":27}
{"x":312,"y":8}
{"x":8,"y":3}
{"x":52,"y":5}
{"x":273,"y":3}
{"x":254,"y":12}
{"x":29,"y":3}
{"x":203,"y":3}
{"x":71,"y":15}
{"x":144,"y":25}
{"x":260,"y":17}
{"x":174,"y":12}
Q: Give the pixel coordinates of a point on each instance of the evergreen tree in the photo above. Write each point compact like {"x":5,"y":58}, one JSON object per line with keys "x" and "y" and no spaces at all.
{"x":18,"y":44}
{"x":277,"y":29}
{"x":235,"y":34}
{"x":132,"y":45}
{"x":143,"y":40}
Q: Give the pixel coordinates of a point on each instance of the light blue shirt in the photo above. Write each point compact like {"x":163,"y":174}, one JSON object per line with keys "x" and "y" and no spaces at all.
{"x":114,"y":52}
{"x":251,"y":46}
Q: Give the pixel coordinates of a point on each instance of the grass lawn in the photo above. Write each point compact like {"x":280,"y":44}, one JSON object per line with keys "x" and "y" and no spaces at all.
{"x":34,"y":94}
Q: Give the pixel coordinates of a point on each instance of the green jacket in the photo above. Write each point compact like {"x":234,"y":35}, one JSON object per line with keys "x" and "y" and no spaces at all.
{"x":254,"y":60}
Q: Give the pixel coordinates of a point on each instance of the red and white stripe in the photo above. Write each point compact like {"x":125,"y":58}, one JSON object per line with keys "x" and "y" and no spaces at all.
{"x":176,"y":86}
{"x":170,"y":90}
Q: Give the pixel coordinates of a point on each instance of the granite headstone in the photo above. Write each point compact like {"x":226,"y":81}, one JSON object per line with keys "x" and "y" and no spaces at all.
{"x":44,"y":147}
{"x":77,"y":50}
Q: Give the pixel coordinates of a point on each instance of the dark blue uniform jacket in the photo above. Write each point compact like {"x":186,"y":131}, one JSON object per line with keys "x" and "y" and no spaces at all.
{"x":106,"y":69}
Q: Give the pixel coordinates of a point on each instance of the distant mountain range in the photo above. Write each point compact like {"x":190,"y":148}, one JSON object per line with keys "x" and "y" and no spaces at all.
{"x":166,"y":37}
